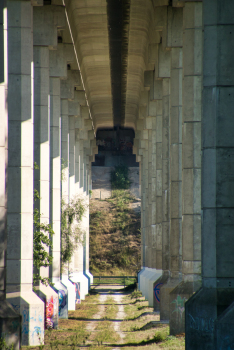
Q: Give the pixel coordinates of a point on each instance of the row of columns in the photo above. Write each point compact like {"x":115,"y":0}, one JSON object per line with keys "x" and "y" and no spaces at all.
{"x":194,"y":195}
{"x":170,"y":157}
{"x":44,"y":120}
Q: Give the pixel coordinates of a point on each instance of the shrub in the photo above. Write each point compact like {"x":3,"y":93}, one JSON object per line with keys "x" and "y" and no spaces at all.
{"x":120,"y":177}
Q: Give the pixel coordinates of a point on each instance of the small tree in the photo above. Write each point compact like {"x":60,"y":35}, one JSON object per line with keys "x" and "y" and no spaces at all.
{"x":71,"y":233}
{"x":41,"y":244}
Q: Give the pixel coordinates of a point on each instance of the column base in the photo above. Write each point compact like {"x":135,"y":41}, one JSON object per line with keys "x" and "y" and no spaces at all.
{"x":9,"y":325}
{"x":161,"y":281}
{"x":90,"y":278}
{"x":178,"y":297}
{"x":147,"y":273}
{"x":71,"y":293}
{"x":32,"y":310}
{"x":207,"y":308}
{"x":81,"y":283}
{"x":165,"y":291}
{"x":50,"y":298}
{"x":62,"y":292}
{"x":224,"y":327}
{"x":156,"y":275}
{"x":139,"y":275}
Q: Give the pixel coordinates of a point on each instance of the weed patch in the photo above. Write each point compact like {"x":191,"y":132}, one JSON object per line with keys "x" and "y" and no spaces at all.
{"x":114,"y":235}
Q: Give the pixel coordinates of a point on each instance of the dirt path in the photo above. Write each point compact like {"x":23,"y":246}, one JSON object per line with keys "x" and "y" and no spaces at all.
{"x":117,"y":296}
{"x":92,"y":325}
{"x":119,"y":317}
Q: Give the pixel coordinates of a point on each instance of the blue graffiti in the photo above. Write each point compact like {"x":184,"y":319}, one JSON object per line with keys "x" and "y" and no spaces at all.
{"x":77,"y":291}
{"x":203,"y":324}
{"x":15,"y":325}
{"x":37,"y":330}
{"x":16,"y":307}
{"x":227,"y":343}
{"x":157,"y":291}
{"x":40,"y":319}
{"x":62,"y":300}
{"x":25,"y":316}
{"x":25,"y":329}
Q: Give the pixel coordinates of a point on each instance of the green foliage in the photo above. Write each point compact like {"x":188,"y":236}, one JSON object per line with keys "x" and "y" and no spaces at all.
{"x":41,"y":243}
{"x":114,"y":236}
{"x":3,"y":345}
{"x":120,"y":177}
{"x":71,"y":234}
{"x":136,"y":294}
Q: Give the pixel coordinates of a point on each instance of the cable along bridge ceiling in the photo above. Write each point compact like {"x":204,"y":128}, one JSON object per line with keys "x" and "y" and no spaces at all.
{"x":111,"y":40}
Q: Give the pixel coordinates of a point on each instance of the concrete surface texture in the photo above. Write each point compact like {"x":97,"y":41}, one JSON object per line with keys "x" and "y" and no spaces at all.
{"x":58,"y":89}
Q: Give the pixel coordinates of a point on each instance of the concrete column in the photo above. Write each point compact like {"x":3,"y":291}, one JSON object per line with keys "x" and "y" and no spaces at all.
{"x":175,"y":121}
{"x":66,"y":91}
{"x":71,"y":125}
{"x":59,"y":60}
{"x":56,"y":71}
{"x":159,"y":184}
{"x":55,"y":177}
{"x":77,"y":268}
{"x":162,"y":88}
{"x":20,"y":174}
{"x":89,"y":136}
{"x":143,"y":113}
{"x":8,"y":316}
{"x":42,"y":158}
{"x":209,"y":312}
{"x":191,"y":164}
{"x":144,"y":186}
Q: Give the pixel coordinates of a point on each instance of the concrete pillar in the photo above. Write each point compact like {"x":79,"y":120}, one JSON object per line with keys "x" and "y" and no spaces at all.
{"x":58,"y":70}
{"x":88,"y":136}
{"x":191,"y":165}
{"x":8,"y":316}
{"x":20,"y":174}
{"x":66,"y":92}
{"x":76,"y":275}
{"x":59,"y":60}
{"x":209,"y":312}
{"x":162,"y":88}
{"x":175,"y":178}
{"x":143,"y":113}
{"x":42,"y":158}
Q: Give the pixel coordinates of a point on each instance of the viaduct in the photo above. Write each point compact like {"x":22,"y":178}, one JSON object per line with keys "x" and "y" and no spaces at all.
{"x":164,"y":68}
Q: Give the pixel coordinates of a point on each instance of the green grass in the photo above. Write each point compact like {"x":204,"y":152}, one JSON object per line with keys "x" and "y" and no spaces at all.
{"x":114,"y":236}
{"x":73,"y":334}
{"x":106,"y":333}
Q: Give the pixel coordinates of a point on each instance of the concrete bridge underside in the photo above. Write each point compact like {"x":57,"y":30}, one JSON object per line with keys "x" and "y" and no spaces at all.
{"x":163,"y":68}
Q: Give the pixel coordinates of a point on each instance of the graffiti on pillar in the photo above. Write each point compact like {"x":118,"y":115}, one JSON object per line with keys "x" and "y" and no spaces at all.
{"x":110,"y":144}
{"x":16,"y":307}
{"x":202,"y":324}
{"x":126,"y":144}
{"x":157,"y":292}
{"x":25,"y":326}
{"x":227,"y":343}
{"x":62,"y":300}
{"x":77,"y":291}
{"x":51,"y":312}
{"x":179,"y":305}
